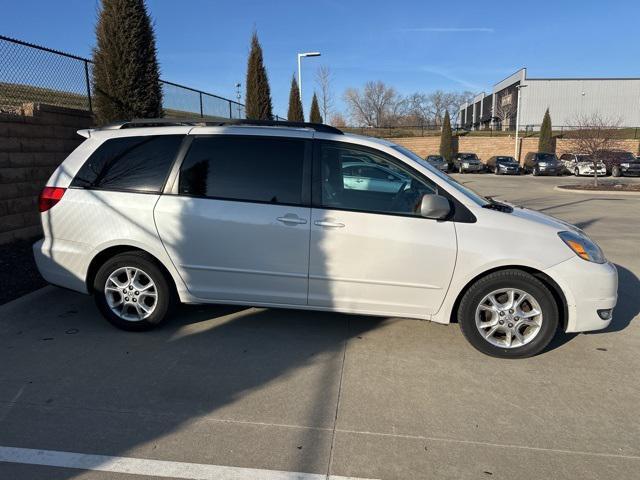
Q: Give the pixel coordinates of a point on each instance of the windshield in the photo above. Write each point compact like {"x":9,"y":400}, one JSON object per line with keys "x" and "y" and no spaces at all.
{"x":547,"y":157}
{"x":584,"y":158}
{"x":505,"y":160}
{"x":468,"y":156}
{"x":475,"y":197}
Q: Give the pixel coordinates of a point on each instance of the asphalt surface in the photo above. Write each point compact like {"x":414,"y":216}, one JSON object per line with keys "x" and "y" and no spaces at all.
{"x":288,"y":391}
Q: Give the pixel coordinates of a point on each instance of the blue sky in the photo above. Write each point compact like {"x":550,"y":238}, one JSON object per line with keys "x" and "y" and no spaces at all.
{"x":412,"y":45}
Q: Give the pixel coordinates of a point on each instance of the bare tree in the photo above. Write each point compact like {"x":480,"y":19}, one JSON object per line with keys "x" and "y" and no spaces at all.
{"x":337,"y":120}
{"x":323,"y":79}
{"x":418,"y":109}
{"x":374,"y":105}
{"x":504,"y":111}
{"x":593,"y":136}
{"x":431,"y":108}
{"x":457,"y":100}
{"x":439,"y":102}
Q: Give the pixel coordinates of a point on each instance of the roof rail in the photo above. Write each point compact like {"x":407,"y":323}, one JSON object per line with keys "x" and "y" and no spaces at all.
{"x":171,"y":122}
{"x":318,"y":127}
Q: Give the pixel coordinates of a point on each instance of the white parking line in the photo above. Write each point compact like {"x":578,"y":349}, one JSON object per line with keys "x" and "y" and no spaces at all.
{"x":156,"y":468}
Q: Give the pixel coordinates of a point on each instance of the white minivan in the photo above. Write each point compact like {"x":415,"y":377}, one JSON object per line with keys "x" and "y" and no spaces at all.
{"x":149,"y":213}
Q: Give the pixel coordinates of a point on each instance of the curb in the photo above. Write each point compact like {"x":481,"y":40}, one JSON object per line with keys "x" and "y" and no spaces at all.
{"x":594,"y":192}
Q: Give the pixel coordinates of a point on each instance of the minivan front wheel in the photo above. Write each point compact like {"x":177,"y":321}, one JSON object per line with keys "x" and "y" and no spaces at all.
{"x":132,"y":292}
{"x":508,"y":314}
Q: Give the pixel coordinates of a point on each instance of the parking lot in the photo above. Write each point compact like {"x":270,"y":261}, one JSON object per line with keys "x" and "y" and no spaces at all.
{"x":309,"y":395}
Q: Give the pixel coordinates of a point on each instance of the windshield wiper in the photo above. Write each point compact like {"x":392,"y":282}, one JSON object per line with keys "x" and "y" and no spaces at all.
{"x":500,"y":207}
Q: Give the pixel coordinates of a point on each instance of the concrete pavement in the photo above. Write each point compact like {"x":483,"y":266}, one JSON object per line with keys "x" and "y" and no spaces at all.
{"x":319,"y":393}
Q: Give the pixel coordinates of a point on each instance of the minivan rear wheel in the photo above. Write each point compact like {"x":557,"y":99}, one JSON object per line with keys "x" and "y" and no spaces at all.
{"x":508,"y":314}
{"x":615,"y":171}
{"x":132,"y":293}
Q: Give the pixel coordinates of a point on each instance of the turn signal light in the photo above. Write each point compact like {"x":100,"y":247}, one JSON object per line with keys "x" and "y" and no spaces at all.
{"x":579,"y":249}
{"x":49,"y":197}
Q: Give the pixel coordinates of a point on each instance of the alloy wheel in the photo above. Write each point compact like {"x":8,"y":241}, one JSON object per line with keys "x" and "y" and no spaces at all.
{"x":508,"y":318}
{"x":131,"y":294}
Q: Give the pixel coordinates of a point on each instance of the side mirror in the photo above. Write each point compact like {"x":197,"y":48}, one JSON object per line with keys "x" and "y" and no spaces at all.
{"x":434,"y":206}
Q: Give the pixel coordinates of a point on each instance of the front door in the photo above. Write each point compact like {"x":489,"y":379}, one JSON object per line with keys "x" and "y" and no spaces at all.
{"x":238,"y":226}
{"x":370,"y":250}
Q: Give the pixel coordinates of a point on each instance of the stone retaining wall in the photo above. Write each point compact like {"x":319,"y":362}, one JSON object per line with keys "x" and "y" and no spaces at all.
{"x":486,"y":147}
{"x":34,"y":140}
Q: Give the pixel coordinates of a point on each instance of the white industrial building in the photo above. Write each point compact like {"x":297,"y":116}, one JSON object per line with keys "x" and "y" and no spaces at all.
{"x":616,"y":99}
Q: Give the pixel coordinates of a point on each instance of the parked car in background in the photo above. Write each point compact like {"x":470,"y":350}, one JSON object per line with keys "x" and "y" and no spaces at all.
{"x":539,"y":163}
{"x":503,"y":165}
{"x":579,"y":164}
{"x":147,"y":214}
{"x":438,"y":162}
{"x":372,"y":177}
{"x":467,"y":162}
{"x":620,"y":162}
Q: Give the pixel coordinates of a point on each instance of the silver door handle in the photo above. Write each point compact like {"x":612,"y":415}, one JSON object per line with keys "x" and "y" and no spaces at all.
{"x":324,"y":223}
{"x":294,"y":220}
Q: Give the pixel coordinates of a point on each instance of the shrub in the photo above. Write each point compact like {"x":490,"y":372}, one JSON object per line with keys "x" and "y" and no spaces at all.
{"x":295,"y":113}
{"x":258,"y":96}
{"x":126,"y":75}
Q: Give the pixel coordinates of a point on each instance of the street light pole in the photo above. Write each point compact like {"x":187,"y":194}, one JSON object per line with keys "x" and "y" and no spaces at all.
{"x":517,"y":148}
{"x":300,"y":55}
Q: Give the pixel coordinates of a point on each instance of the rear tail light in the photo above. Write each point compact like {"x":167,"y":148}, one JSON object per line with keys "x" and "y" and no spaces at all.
{"x":49,"y":197}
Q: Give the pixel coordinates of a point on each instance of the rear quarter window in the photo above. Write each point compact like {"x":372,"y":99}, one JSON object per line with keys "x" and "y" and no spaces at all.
{"x":130,"y":163}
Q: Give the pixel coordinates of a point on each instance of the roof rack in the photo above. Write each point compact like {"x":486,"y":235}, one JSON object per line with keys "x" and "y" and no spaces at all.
{"x":172,"y":122}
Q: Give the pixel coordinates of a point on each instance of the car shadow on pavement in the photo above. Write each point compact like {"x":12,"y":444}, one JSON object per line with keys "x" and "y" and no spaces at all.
{"x":230,"y":365}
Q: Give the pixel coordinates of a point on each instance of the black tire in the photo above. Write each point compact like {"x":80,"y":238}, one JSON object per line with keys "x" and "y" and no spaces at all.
{"x":496,"y":171}
{"x":615,"y":171}
{"x":166,"y":296}
{"x":460,"y":170}
{"x":508,"y":279}
{"x":536,"y":172}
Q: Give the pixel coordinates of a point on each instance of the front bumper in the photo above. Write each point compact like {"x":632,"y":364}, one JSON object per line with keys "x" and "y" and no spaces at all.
{"x":509,"y":171}
{"x":630,"y":171}
{"x":473,"y":168}
{"x":590,"y":171}
{"x":587,"y":287}
{"x":544,"y":170}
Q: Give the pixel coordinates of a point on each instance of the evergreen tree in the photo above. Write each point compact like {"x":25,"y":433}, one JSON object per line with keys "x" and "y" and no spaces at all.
{"x":545,"y":142}
{"x":295,"y":113}
{"x":258,"y":97}
{"x":126,"y":76}
{"x":447,"y":147}
{"x":314,"y":113}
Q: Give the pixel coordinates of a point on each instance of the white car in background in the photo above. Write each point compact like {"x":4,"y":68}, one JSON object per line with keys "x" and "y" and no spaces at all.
{"x":579,"y":165}
{"x":372,"y":177}
{"x":150,"y":213}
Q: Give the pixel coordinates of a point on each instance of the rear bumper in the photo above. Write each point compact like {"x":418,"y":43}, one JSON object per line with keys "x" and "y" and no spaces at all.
{"x":587,"y":287}
{"x":60,"y":266}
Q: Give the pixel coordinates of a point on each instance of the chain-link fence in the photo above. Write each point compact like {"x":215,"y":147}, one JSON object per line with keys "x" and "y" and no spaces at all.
{"x":31,"y":73}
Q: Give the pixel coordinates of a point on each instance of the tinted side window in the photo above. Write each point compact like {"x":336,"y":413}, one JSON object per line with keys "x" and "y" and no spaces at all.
{"x":245,"y":168}
{"x":130,"y":163}
{"x":396,"y":194}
